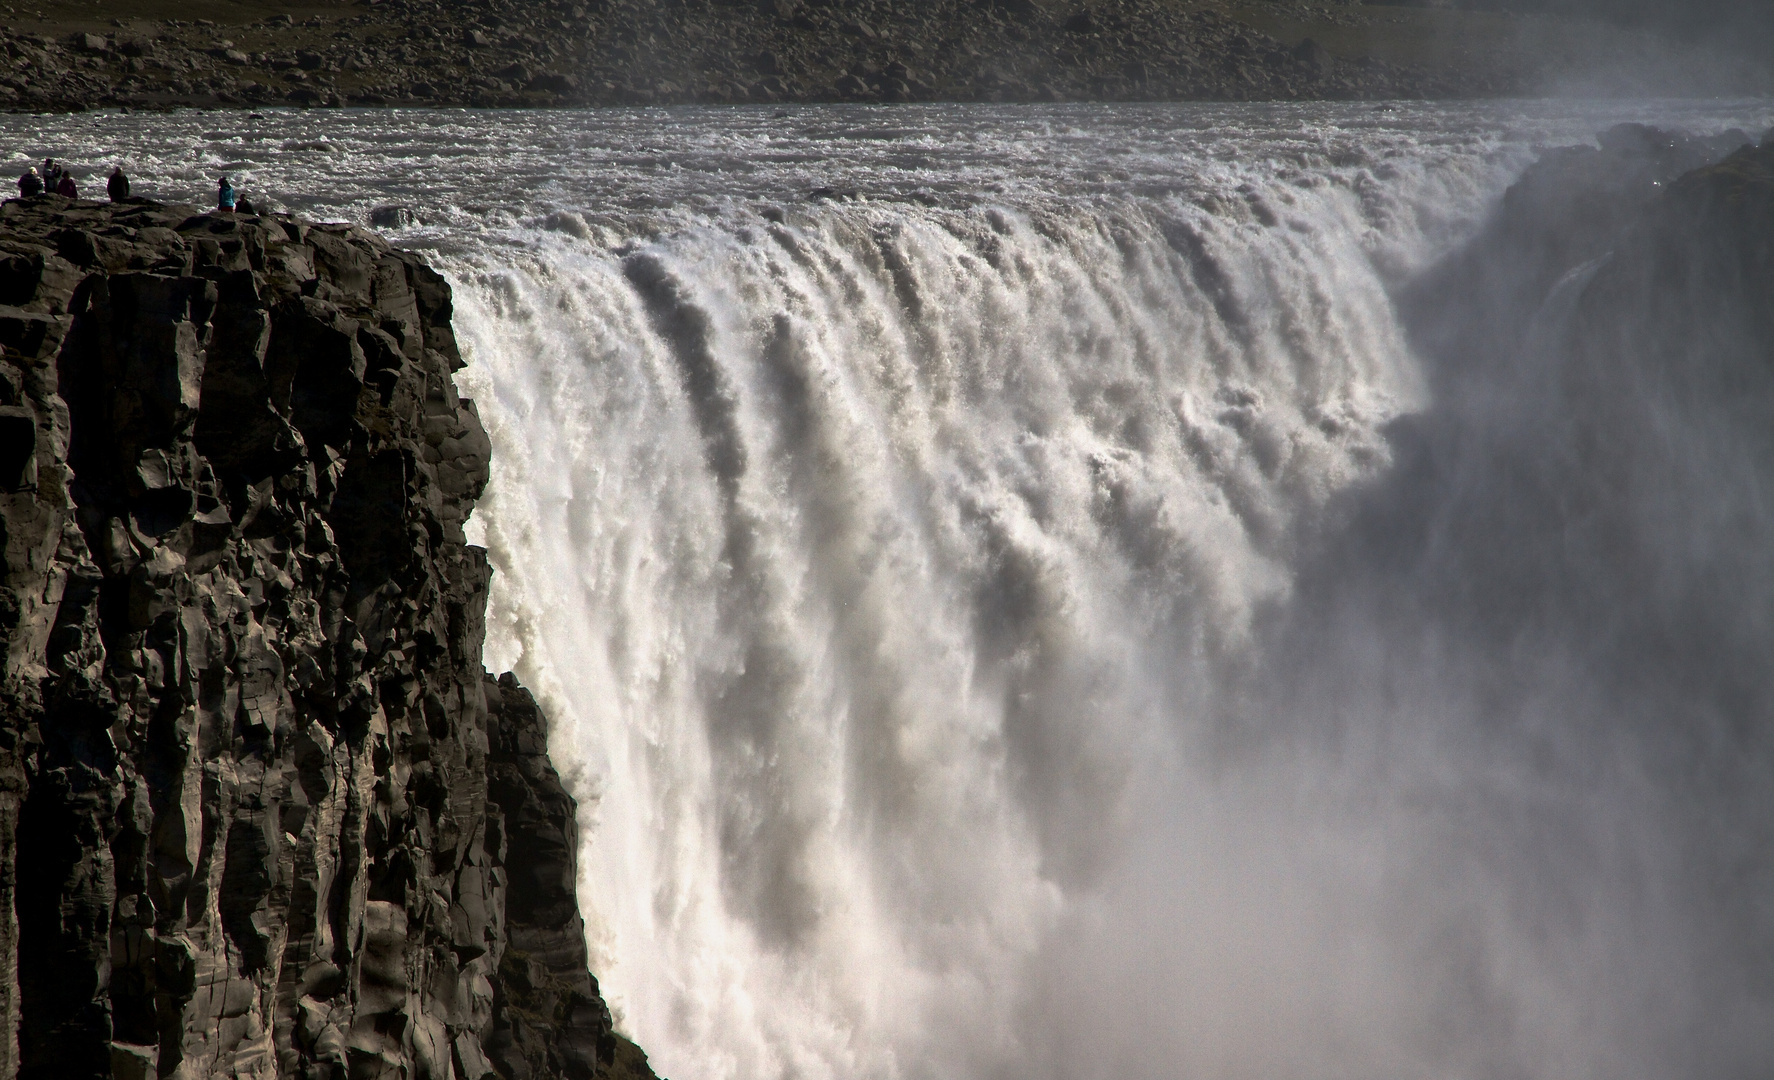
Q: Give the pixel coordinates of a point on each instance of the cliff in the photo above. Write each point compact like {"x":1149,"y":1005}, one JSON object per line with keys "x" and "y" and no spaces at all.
{"x":1571,"y":206}
{"x":1599,"y":442}
{"x":262,"y":813}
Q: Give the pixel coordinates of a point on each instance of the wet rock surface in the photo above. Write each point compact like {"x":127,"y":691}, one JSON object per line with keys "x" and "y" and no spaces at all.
{"x":262,"y":812}
{"x":1615,"y":308}
{"x":576,"y":52}
{"x":1570,"y":207}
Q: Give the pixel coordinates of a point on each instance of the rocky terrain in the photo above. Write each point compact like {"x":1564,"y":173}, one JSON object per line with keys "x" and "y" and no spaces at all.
{"x":162,"y":53}
{"x":262,"y":813}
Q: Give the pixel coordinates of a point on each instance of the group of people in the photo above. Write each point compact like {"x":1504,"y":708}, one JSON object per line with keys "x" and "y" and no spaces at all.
{"x":55,"y":180}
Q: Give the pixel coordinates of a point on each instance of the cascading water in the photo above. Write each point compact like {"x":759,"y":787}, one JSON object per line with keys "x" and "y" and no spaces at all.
{"x":901,"y":567}
{"x":878,"y":553}
{"x":1037,"y":617}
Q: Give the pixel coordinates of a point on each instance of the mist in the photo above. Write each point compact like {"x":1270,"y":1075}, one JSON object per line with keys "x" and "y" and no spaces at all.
{"x":1308,"y":629}
{"x":1491,"y":795}
{"x":1713,"y":20}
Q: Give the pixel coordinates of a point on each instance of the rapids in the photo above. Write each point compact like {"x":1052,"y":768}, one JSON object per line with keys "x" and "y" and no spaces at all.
{"x":928,"y":529}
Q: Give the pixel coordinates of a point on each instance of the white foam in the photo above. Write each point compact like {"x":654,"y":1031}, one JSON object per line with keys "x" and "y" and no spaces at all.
{"x":877,"y":575}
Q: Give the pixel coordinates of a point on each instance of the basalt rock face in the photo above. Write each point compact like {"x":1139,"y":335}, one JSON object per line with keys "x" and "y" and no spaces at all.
{"x":262,"y":812}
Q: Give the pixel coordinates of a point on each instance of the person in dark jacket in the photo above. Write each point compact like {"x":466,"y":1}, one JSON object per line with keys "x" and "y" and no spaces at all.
{"x":30,"y":184}
{"x":52,"y":174}
{"x":225,"y":196}
{"x":118,"y":186}
{"x":65,"y":186}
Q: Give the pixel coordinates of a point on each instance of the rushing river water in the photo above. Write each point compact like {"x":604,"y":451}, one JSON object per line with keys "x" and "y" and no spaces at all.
{"x":907,"y":517}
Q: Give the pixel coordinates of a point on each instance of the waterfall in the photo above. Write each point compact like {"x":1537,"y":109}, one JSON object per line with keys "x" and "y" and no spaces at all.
{"x":1104,"y":600}
{"x":951,"y":621}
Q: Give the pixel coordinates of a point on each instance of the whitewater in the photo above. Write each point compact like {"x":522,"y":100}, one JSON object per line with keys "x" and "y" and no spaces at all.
{"x":927,"y":529}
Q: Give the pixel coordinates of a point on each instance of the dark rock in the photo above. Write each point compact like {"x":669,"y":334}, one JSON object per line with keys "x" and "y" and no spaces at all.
{"x":723,"y":50}
{"x":1314,"y":56}
{"x":548,"y":1016}
{"x":261,"y":810}
{"x":18,"y":448}
{"x":551,"y":83}
{"x":393,"y":217}
{"x":1569,"y":208}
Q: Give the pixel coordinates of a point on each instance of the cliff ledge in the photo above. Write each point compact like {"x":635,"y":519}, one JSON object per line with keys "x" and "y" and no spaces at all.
{"x":262,"y":812}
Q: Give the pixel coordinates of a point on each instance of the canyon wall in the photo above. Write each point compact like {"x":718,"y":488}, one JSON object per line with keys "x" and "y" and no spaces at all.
{"x":262,"y":812}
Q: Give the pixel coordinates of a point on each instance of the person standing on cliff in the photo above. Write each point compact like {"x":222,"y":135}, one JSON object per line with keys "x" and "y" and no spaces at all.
{"x":225,"y":196}
{"x":118,"y":186}
{"x":30,"y":184}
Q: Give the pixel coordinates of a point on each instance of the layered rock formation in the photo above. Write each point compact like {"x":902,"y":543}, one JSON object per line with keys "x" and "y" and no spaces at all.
{"x":568,"y":52}
{"x":565,"y":52}
{"x":262,"y":813}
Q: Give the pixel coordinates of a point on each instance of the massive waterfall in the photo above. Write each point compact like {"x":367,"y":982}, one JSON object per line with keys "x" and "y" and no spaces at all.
{"x":879,"y":565}
{"x":1092,"y":592}
{"x":927,"y":595}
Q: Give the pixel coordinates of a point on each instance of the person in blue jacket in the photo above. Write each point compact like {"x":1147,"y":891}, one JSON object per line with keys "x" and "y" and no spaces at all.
{"x":225,"y":196}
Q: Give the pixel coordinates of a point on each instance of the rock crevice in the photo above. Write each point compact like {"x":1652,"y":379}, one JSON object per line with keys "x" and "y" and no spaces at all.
{"x":262,"y":812}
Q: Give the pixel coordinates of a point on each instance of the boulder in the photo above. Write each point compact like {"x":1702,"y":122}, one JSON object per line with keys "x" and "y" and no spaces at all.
{"x":393,"y":217}
{"x":552,"y":83}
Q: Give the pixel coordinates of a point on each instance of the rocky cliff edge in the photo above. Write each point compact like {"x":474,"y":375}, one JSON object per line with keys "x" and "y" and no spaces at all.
{"x":262,"y":812}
